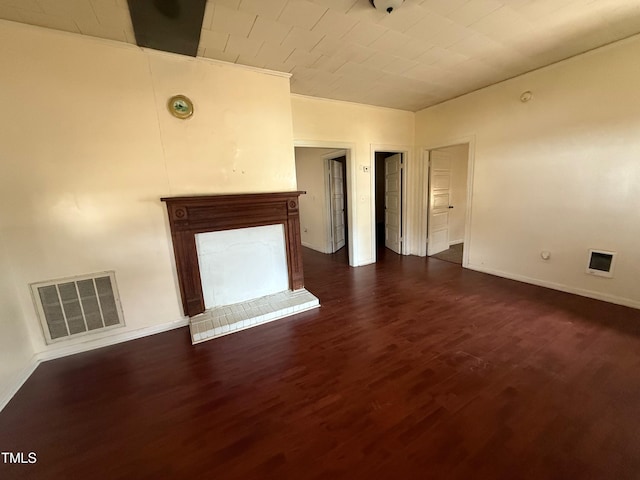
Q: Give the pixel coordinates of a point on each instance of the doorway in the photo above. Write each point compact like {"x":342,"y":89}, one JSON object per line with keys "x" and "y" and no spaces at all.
{"x":337,"y":195}
{"x":389,"y":181}
{"x":323,"y":173}
{"x":447,"y":199}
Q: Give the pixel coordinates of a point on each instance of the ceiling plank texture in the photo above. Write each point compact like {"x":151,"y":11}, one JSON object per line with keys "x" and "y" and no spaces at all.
{"x":423,"y":53}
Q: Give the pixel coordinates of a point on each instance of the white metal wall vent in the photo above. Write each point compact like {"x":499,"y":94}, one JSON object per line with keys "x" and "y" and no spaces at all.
{"x":601,"y":263}
{"x":77,"y":306}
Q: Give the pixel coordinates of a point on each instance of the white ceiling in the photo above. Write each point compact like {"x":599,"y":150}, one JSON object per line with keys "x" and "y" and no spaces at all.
{"x":423,"y":53}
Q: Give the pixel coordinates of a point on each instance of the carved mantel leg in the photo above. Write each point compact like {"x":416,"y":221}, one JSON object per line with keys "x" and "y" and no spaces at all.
{"x":294,"y":246}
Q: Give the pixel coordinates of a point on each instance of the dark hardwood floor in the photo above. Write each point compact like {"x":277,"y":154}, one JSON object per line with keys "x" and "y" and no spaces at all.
{"x":412,"y":368}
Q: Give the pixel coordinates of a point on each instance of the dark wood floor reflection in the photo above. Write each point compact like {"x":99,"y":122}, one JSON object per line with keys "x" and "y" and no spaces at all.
{"x":412,"y":368}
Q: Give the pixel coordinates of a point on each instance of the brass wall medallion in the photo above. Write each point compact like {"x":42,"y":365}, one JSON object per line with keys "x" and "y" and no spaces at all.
{"x":180,"y":106}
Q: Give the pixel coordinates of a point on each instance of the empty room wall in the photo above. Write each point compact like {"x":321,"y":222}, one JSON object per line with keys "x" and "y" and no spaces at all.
{"x":559,"y":172}
{"x":360,"y":127}
{"x":91,"y":148}
{"x":16,"y":351}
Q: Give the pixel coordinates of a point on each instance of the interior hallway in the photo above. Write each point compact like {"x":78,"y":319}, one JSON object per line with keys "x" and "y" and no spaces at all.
{"x":412,"y":368}
{"x":453,"y":254}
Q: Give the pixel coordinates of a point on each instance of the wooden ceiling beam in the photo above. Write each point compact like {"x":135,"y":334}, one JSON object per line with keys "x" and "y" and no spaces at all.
{"x":168,"y":25}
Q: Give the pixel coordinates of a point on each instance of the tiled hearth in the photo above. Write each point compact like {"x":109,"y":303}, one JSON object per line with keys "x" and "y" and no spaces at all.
{"x":219,"y":321}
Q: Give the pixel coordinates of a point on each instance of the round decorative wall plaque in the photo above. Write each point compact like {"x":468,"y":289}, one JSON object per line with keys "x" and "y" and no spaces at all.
{"x":180,"y":106}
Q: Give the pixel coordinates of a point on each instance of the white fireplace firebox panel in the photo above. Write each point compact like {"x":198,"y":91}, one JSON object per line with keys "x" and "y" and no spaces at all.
{"x":242,"y":264}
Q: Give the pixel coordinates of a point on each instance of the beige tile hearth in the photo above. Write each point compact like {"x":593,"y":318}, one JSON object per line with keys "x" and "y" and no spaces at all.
{"x":218,"y":321}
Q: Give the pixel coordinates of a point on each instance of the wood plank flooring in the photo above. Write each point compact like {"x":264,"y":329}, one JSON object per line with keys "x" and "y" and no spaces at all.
{"x":413,"y":368}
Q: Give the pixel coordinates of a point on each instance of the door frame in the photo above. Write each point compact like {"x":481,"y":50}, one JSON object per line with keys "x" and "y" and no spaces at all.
{"x":329,"y":204}
{"x":423,"y":205}
{"x":405,"y":150}
{"x":349,"y":149}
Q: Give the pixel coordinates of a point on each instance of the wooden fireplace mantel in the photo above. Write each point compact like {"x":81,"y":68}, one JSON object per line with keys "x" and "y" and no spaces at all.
{"x":189,"y":216}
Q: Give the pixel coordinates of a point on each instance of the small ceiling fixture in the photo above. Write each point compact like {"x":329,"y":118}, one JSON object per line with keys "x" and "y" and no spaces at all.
{"x":386,"y":5}
{"x":526,"y":96}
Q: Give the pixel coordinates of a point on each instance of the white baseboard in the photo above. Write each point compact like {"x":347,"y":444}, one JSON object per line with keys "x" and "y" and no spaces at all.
{"x":52,"y":354}
{"x":456,"y":242}
{"x":626,"y":302}
{"x":313,"y":247}
{"x":110,"y":340}
{"x":18,"y":381}
{"x":362,"y":263}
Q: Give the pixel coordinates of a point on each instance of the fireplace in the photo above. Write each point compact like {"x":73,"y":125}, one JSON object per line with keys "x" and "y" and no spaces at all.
{"x":192,"y":218}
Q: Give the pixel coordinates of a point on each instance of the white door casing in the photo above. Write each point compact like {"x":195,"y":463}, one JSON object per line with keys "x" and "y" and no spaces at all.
{"x":392,"y":202}
{"x":337,"y":205}
{"x":439,"y":202}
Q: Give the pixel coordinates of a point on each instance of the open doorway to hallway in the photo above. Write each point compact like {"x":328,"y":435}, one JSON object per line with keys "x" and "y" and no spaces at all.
{"x":389,"y":181}
{"x":447,"y":202}
{"x":324,"y":221}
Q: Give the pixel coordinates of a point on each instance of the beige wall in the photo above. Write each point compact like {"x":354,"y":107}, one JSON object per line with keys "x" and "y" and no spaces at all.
{"x":89,"y":148}
{"x":362,"y":128}
{"x":311,"y":176}
{"x":16,"y":351}
{"x":559,"y":173}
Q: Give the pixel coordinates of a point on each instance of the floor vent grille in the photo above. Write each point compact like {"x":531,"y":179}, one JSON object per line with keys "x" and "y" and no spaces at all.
{"x":77,"y":306}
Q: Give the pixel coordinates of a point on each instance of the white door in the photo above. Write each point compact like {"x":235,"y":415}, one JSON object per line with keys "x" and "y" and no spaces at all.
{"x":336,"y":182}
{"x":392,"y":202}
{"x":439,"y":202}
